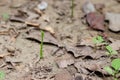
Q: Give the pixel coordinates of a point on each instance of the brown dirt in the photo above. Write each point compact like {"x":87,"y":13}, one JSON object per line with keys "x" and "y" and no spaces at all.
{"x":23,"y":62}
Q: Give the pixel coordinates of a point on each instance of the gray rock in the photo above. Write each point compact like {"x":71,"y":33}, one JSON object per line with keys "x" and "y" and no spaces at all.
{"x":88,"y":7}
{"x":114,"y":20}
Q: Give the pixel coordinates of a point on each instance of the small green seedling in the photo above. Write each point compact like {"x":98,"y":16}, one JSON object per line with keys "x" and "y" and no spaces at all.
{"x":110,"y":51}
{"x":98,"y":39}
{"x":41,"y":45}
{"x":2,"y":75}
{"x":72,"y":8}
{"x":5,"y":16}
{"x":114,"y":68}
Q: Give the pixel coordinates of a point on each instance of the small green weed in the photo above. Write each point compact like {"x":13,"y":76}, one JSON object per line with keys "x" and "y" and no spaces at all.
{"x":2,"y":75}
{"x":41,"y":45}
{"x":5,"y":16}
{"x":110,"y":51}
{"x":114,"y":68}
{"x":98,"y":39}
{"x":72,"y":8}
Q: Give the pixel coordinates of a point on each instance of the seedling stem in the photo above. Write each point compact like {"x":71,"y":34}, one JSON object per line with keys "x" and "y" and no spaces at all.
{"x":41,"y":45}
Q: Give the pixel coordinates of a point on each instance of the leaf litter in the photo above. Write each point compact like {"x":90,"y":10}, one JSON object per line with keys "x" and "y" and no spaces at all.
{"x":85,"y":56}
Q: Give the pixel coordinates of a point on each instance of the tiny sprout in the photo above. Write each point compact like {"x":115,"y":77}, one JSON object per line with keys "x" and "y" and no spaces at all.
{"x":114,"y":68}
{"x":5,"y":16}
{"x":41,"y":45}
{"x":110,"y":50}
{"x":2,"y":75}
{"x":98,"y":39}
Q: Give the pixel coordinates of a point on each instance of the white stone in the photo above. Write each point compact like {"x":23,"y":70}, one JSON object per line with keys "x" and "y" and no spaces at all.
{"x":43,"y":5}
{"x":88,"y":7}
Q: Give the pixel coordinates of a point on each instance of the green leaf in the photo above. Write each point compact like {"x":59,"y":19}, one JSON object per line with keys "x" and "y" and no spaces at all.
{"x":98,"y":39}
{"x":116,"y":64}
{"x":2,"y":75}
{"x":110,"y":50}
{"x":109,"y":70}
{"x":115,"y":79}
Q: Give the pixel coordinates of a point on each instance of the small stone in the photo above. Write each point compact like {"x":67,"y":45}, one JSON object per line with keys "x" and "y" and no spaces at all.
{"x":88,"y":7}
{"x":63,"y":75}
{"x":42,"y":6}
{"x":10,"y":49}
{"x":114,"y":21}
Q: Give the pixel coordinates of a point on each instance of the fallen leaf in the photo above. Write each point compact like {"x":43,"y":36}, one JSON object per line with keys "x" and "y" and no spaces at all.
{"x":80,"y":76}
{"x":64,"y":62}
{"x":36,"y":36}
{"x":63,"y":75}
{"x":85,"y":51}
{"x":115,"y":45}
{"x":95,"y":21}
{"x":93,"y":65}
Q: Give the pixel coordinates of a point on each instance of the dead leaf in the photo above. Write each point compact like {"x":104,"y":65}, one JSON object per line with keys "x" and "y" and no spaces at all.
{"x":63,"y":75}
{"x":64,"y":61}
{"x":115,"y":45}
{"x":93,"y":65}
{"x":95,"y":21}
{"x":48,"y":38}
{"x":17,"y":19}
{"x":85,"y":51}
{"x":79,"y":76}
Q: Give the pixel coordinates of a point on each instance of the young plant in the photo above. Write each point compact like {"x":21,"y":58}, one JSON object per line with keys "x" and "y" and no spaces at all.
{"x":110,"y":51}
{"x":98,"y":39}
{"x":114,"y":68}
{"x":41,"y":45}
{"x":72,"y":8}
{"x":2,"y":75}
{"x":5,"y":16}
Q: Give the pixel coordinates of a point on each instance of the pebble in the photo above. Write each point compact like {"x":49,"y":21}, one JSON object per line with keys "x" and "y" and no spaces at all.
{"x":10,"y":49}
{"x":88,"y":7}
{"x":43,"y":5}
{"x":114,"y":21}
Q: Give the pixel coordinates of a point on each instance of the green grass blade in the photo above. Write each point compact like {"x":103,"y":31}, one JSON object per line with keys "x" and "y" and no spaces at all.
{"x":41,"y":45}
